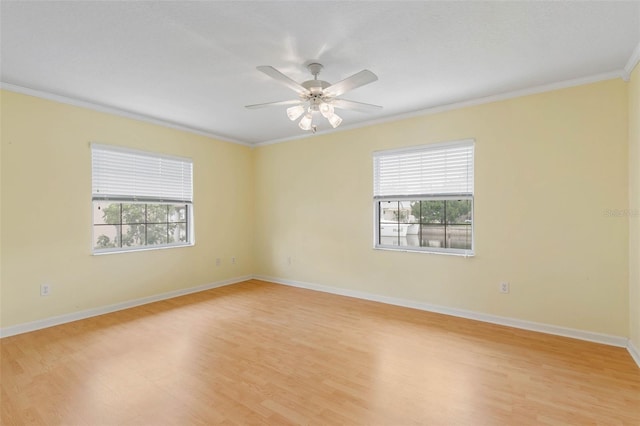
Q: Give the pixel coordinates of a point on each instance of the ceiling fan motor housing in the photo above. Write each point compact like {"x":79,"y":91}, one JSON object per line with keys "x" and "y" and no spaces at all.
{"x":315,"y":86}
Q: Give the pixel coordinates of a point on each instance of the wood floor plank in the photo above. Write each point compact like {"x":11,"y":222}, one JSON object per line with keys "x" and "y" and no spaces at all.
{"x":261,"y":353}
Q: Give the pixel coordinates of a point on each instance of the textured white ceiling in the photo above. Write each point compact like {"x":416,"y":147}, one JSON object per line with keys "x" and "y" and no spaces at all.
{"x":193,"y":63}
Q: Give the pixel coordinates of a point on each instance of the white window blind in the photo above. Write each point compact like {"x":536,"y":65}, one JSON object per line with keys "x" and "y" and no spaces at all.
{"x":124,"y":174}
{"x":440,"y":169}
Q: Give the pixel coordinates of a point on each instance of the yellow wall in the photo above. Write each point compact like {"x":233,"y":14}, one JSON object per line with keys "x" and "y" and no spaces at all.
{"x":634,"y":206}
{"x":548,"y":169}
{"x":46,"y":212}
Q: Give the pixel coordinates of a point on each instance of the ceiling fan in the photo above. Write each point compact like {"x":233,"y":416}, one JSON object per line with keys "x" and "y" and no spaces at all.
{"x":318,"y":96}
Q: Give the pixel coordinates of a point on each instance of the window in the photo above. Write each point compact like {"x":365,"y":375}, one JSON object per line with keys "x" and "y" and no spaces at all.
{"x":423,"y":198}
{"x":141,"y":200}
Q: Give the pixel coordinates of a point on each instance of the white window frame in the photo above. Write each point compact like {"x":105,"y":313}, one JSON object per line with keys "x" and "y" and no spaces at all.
{"x":127,"y":176}
{"x":419,"y":186}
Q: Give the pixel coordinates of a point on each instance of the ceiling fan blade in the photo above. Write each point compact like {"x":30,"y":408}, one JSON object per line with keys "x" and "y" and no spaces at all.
{"x":270,"y":104}
{"x":283,"y":79}
{"x":357,"y":106}
{"x":358,"y":79}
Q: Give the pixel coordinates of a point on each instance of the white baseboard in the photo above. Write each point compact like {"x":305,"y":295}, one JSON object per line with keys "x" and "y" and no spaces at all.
{"x":494,"y":319}
{"x":75,"y":316}
{"x":590,"y":336}
{"x":634,"y":352}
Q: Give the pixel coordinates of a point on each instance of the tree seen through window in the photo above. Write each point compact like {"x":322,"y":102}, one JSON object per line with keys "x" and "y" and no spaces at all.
{"x":138,"y":224}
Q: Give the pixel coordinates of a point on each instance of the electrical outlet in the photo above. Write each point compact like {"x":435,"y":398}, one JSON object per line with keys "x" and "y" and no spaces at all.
{"x":504,"y":287}
{"x":217,"y":261}
{"x":45,"y":289}
{"x":289,"y":260}
{"x":233,"y":260}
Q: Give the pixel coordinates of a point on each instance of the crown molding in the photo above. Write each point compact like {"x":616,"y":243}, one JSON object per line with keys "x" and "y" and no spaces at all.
{"x":115,"y":111}
{"x":624,"y":74}
{"x":631,"y":63}
{"x":464,"y":104}
{"x":505,"y":96}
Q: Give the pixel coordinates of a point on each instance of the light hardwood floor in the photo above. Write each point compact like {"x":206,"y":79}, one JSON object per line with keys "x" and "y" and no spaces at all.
{"x":261,"y":353}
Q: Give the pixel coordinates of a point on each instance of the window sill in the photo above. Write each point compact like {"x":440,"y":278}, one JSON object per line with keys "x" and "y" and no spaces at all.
{"x":437,"y":252}
{"x":133,"y":250}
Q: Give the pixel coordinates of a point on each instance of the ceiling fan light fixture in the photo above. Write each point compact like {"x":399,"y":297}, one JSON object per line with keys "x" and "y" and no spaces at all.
{"x":294,"y":112}
{"x":318,"y":96}
{"x":334,"y":120}
{"x":305,"y":122}
{"x":326,"y":110}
